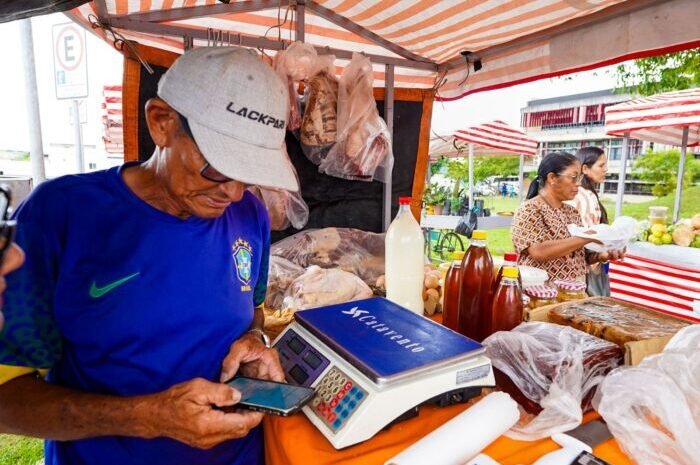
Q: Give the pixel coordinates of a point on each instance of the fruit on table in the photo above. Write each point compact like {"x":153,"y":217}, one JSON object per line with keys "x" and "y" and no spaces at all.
{"x":666,"y":239}
{"x":655,"y":240}
{"x":658,"y":230}
{"x":696,"y":242}
{"x":695,"y":221}
{"x":683,"y":235}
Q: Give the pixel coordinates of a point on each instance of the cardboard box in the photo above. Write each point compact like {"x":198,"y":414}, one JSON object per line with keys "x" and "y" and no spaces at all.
{"x":635,"y":351}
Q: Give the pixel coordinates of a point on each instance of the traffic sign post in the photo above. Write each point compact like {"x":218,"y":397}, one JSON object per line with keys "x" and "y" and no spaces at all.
{"x":70,"y":76}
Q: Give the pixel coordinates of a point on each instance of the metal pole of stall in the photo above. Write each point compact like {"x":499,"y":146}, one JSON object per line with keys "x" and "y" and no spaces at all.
{"x":621,"y":177}
{"x":300,"y":19}
{"x":681,"y":171}
{"x":521,"y":175}
{"x":389,"y":118}
{"x":36,"y":145}
{"x":78,"y":137}
{"x":471,"y":176}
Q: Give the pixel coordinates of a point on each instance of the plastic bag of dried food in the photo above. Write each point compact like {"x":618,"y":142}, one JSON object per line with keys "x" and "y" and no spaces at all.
{"x":285,"y":208}
{"x":294,"y":64}
{"x":554,"y":366}
{"x":363,"y":147}
{"x":320,"y":286}
{"x":282,"y":273}
{"x":653,"y":409}
{"x":358,"y":252}
{"x":319,"y":125}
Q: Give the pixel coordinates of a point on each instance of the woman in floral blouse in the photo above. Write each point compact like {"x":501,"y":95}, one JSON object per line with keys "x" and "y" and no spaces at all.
{"x":540,"y":228}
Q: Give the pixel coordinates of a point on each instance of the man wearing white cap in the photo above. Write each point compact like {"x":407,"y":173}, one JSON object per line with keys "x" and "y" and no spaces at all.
{"x":142,"y":285}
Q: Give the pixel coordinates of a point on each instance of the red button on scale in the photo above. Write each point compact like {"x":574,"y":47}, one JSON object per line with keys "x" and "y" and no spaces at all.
{"x":334,"y":402}
{"x":347,"y":386}
{"x":331,"y":417}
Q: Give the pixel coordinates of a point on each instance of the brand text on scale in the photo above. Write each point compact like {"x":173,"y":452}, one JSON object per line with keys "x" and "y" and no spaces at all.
{"x":370,"y":320}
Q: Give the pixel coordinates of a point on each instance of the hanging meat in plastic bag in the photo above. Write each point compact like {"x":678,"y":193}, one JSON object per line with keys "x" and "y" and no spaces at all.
{"x":319,"y":126}
{"x":294,"y":64}
{"x":363,"y":147}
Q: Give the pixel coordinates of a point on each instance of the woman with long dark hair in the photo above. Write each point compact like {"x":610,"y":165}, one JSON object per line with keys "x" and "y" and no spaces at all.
{"x":594,"y":166}
{"x":540,"y":227}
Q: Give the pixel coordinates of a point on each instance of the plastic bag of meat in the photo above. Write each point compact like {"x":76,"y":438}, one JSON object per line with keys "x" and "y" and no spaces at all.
{"x":319,"y":125}
{"x":282,"y":273}
{"x":320,"y":286}
{"x":555,"y":367}
{"x":294,"y":64}
{"x":363,"y":147}
{"x":355,"y":251}
{"x":285,"y":208}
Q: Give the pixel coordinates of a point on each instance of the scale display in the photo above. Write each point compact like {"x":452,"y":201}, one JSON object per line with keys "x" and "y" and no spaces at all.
{"x":371,"y":361}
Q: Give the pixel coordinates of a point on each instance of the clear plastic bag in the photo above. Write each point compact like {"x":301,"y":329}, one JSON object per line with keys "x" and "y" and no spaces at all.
{"x":294,"y":64}
{"x":352,"y":250}
{"x":554,"y":366}
{"x":285,"y":208}
{"x":363,"y":147}
{"x":653,"y":409}
{"x":281,"y":274}
{"x":319,"y":125}
{"x":320,"y":286}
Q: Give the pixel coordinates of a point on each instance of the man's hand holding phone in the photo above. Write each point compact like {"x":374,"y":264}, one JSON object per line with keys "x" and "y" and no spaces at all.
{"x":190,"y":412}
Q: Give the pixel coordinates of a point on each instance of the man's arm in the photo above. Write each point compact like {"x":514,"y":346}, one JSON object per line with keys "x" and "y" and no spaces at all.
{"x":32,"y":407}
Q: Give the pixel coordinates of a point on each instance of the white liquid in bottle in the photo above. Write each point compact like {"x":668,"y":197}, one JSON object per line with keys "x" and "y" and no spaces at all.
{"x":404,"y":259}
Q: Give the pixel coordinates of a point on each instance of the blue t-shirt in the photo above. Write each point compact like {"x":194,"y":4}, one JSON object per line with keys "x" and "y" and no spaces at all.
{"x":116,"y":297}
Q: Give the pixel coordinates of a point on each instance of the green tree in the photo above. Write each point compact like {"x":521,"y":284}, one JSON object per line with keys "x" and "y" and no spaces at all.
{"x":661,"y":168}
{"x":648,"y":76}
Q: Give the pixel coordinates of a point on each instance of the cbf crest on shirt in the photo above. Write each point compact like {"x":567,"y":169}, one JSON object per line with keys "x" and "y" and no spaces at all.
{"x":243,"y":258}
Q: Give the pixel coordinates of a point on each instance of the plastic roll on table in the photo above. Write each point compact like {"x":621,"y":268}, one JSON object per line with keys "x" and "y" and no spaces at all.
{"x":463,"y":437}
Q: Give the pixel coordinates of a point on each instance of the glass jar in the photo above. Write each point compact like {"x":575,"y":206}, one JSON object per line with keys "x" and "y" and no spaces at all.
{"x":570,"y":290}
{"x":541,"y":295}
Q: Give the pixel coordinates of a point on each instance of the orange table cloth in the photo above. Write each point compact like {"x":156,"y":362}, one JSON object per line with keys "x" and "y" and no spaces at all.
{"x":295,"y":441}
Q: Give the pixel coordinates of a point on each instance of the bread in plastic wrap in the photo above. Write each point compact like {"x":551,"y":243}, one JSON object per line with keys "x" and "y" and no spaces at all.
{"x":615,"y":321}
{"x":363,"y":145}
{"x":553,"y":367}
{"x":281,"y":274}
{"x":355,"y":251}
{"x":653,"y":409}
{"x":319,"y":286}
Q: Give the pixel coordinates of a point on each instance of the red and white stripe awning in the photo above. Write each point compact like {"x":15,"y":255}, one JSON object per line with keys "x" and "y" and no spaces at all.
{"x":497,"y":137}
{"x":514,"y":41}
{"x":659,"y":118}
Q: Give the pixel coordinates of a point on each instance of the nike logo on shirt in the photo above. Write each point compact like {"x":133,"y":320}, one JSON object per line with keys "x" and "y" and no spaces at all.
{"x":97,"y":292}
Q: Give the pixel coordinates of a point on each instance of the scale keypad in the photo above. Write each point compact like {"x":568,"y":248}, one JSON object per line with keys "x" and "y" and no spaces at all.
{"x":337,"y":397}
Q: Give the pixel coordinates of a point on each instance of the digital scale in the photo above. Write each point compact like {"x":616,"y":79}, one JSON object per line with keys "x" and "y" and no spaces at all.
{"x":372,"y":362}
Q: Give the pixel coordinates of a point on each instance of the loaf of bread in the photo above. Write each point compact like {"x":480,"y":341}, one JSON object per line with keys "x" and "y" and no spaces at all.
{"x":615,"y":321}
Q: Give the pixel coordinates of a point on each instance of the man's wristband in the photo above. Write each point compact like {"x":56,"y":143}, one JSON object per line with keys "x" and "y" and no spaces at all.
{"x":263,"y":337}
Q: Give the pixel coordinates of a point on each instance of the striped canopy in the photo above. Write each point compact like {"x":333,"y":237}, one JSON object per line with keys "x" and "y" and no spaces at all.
{"x":659,"y":118}
{"x":427,"y":40}
{"x":498,"y":137}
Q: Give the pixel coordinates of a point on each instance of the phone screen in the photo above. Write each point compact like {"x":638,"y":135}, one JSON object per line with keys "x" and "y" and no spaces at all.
{"x":272,"y":395}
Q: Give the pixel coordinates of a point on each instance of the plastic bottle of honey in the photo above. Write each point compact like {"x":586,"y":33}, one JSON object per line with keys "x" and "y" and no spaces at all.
{"x":507,"y":307}
{"x":509,"y":259}
{"x":450,"y":305}
{"x":475,"y":289}
{"x":404,"y":259}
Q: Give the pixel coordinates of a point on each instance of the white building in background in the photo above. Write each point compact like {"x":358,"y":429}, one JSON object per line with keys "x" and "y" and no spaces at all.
{"x":570,"y":122}
{"x":104,"y":68}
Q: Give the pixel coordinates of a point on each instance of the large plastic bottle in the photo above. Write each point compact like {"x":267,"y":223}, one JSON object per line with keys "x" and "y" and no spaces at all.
{"x":404,"y":259}
{"x":507,"y":307}
{"x":475,"y":294}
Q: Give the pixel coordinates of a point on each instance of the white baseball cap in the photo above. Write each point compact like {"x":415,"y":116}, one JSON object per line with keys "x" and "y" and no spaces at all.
{"x":236,"y":107}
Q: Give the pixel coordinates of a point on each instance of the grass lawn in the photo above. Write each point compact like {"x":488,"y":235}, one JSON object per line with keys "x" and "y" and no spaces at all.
{"x":18,"y":450}
{"x":690,"y":205}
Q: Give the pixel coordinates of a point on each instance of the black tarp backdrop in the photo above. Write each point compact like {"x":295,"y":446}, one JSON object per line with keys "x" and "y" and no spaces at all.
{"x":332,"y":201}
{"x":11,"y":10}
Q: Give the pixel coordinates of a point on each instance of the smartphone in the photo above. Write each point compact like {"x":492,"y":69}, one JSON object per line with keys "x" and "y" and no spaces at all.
{"x":271,"y":397}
